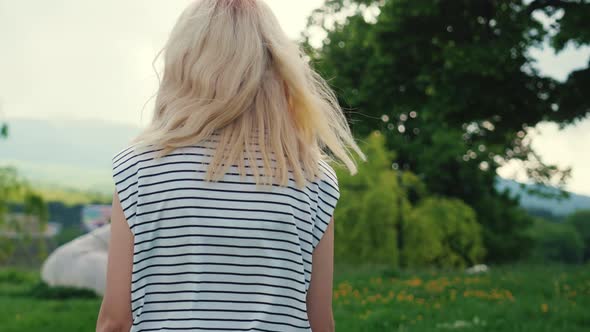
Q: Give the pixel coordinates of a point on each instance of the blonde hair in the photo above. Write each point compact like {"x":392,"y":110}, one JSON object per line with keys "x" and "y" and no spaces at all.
{"x":231,"y":72}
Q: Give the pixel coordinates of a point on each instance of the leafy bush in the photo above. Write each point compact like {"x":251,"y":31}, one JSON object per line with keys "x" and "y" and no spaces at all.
{"x":28,"y":283}
{"x":368,"y":209}
{"x":376,"y":218}
{"x":43,"y":291}
{"x":13,"y":276}
{"x":443,"y":232}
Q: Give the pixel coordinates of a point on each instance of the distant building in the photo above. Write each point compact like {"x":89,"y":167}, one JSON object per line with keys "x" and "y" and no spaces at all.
{"x":95,"y":216}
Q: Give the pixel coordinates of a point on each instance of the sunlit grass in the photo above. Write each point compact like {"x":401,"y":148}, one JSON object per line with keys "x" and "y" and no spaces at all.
{"x":519,"y":298}
{"x":511,"y":298}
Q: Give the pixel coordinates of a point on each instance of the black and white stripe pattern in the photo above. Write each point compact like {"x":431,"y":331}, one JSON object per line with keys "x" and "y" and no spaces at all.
{"x":222,"y":256}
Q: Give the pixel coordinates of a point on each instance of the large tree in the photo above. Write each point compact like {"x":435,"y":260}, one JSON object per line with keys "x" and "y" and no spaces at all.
{"x":452,"y":85}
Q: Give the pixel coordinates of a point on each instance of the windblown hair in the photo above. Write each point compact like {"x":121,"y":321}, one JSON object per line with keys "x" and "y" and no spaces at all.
{"x":231,"y":74}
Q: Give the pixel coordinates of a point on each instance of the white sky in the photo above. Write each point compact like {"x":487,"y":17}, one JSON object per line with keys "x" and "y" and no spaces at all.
{"x":92,"y":59}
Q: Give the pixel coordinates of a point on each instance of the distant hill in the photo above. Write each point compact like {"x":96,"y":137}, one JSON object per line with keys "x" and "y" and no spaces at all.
{"x":73,"y":154}
{"x":540,"y":205}
{"x":77,"y":155}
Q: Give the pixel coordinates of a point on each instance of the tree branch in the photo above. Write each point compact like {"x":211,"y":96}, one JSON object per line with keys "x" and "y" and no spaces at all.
{"x":541,"y":4}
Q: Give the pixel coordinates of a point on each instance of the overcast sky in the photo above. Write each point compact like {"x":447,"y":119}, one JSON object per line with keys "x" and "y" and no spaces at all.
{"x":91,"y":59}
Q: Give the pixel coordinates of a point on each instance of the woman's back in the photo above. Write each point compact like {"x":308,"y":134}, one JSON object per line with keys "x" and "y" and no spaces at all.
{"x":200,"y":240}
{"x":228,"y":255}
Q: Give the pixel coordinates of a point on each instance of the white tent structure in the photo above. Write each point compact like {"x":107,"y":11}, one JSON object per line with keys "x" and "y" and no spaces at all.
{"x":81,"y":263}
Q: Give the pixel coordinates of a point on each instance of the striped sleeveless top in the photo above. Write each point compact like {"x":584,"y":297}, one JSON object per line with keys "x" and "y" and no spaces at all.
{"x":219,"y":256}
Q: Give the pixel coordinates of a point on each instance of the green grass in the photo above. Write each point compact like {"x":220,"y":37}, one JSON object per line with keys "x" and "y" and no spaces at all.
{"x":517,"y":298}
{"x":28,"y":305}
{"x":509,"y":299}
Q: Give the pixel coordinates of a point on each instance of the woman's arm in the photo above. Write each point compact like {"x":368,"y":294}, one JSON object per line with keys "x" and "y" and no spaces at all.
{"x":319,"y":295}
{"x":115,"y":312}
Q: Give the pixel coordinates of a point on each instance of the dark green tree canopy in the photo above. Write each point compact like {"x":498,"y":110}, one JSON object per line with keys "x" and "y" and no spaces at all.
{"x":581,"y":223}
{"x":3,"y":130}
{"x":458,"y":64}
{"x":452,"y":86}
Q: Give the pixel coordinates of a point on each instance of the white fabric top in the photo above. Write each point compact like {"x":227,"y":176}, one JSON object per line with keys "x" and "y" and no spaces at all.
{"x":219,"y":256}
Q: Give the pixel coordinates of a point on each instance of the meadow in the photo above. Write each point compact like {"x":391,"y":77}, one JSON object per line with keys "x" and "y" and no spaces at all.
{"x":507,"y":299}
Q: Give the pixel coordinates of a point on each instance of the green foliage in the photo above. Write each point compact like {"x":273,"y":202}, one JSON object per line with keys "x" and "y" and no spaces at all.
{"x":3,"y":130}
{"x":581,"y":223}
{"x":452,"y":87}
{"x":35,"y":205}
{"x":68,"y":233}
{"x":376,"y":218}
{"x":14,"y":189}
{"x":445,"y":233}
{"x":369,"y":209}
{"x":43,"y":291}
{"x":556,"y":242}
{"x":14,"y":276}
{"x":27,"y":283}
{"x":574,"y":17}
{"x":506,"y":226}
{"x":10,"y":188}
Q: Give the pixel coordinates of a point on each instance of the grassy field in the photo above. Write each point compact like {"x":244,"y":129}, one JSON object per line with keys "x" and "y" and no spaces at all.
{"x":508,"y":299}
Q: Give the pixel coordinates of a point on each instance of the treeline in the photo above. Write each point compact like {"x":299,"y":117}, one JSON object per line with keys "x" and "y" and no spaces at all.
{"x":388,"y":216}
{"x":566,"y":241}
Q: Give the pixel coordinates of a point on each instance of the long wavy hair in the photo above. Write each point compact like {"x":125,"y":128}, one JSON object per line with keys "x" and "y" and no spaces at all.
{"x":231,"y":74}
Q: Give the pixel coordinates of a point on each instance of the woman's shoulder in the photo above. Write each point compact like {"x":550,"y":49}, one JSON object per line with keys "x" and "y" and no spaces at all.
{"x":132,"y":153}
{"x":123,"y":154}
{"x":327,"y":172}
{"x":328,"y":179}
